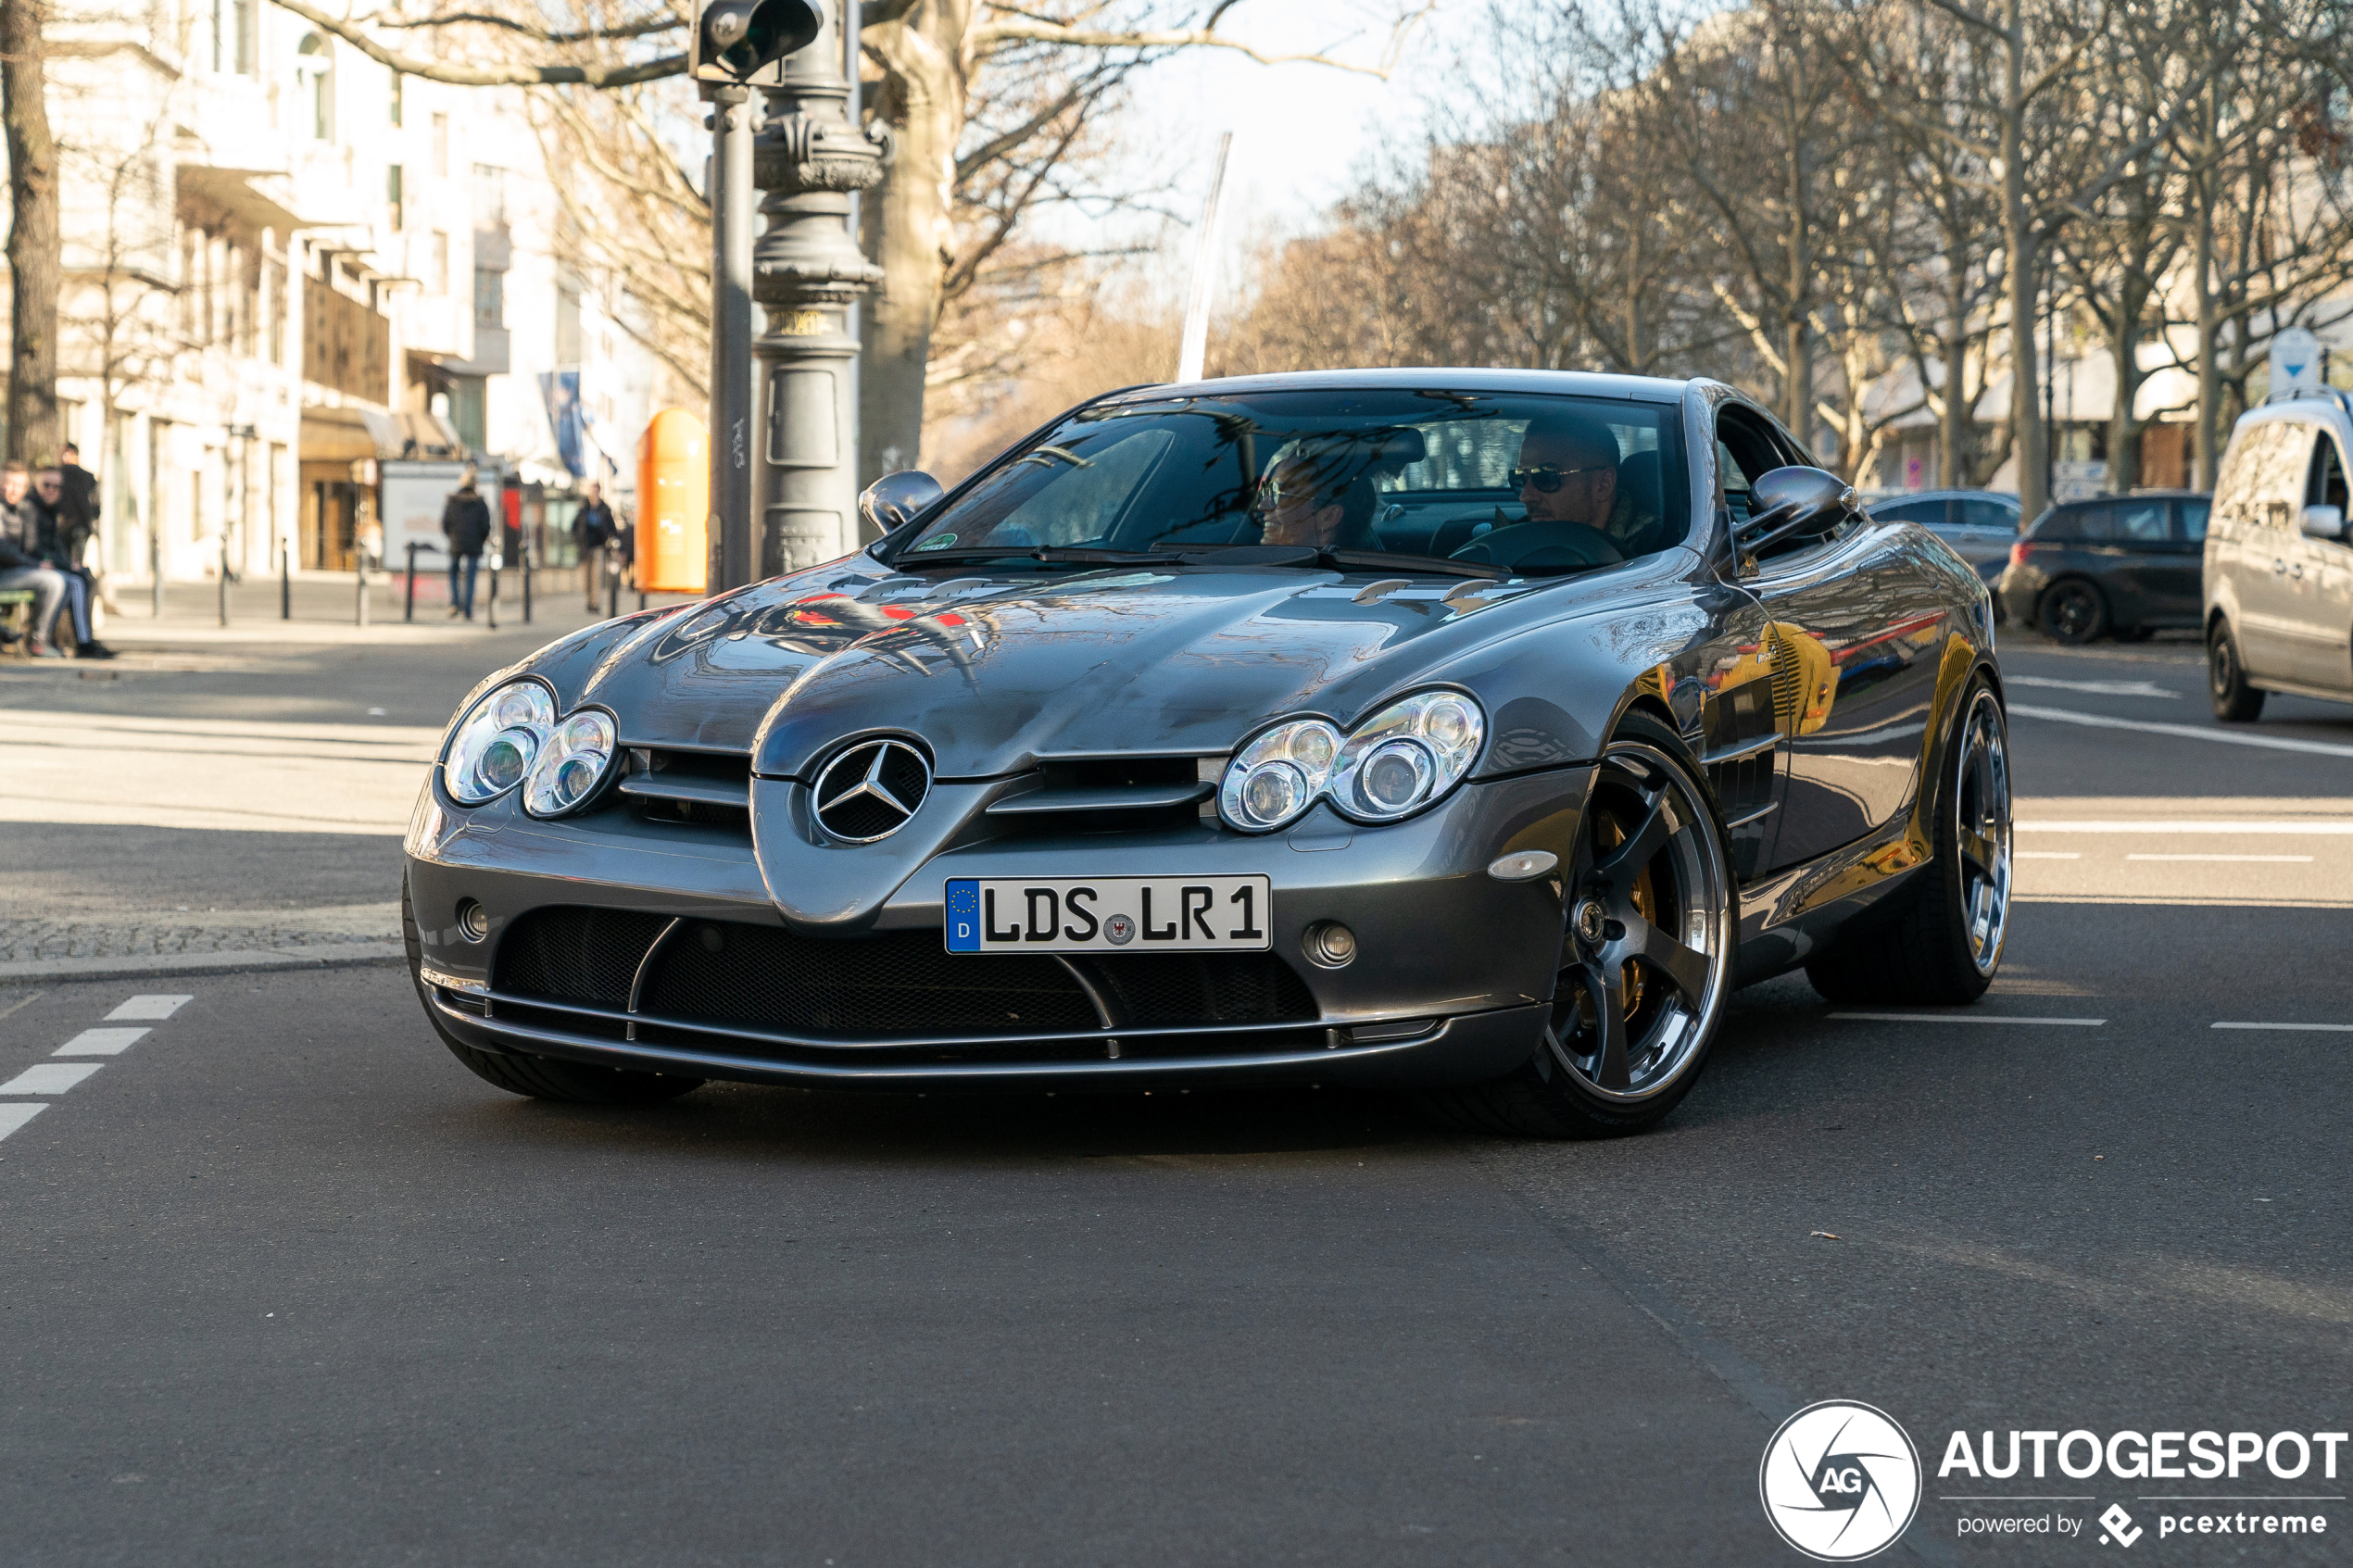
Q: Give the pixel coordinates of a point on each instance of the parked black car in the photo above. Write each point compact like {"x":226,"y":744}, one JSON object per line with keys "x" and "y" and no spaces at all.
{"x":1980,"y":526}
{"x":2117,"y":564}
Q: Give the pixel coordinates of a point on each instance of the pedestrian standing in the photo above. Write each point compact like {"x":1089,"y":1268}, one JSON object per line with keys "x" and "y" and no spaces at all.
{"x":593,"y":528}
{"x":77,"y":505}
{"x":465,"y":524}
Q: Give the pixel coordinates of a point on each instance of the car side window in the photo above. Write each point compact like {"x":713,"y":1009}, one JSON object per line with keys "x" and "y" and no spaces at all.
{"x":2083,"y":522}
{"x":2278,"y":473}
{"x":1989,"y":514}
{"x":2193,"y":515}
{"x":2324,"y":477}
{"x":1743,"y":450}
{"x":2142,"y":522}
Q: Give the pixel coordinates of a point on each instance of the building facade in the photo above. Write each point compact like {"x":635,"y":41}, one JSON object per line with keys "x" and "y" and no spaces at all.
{"x":289,"y":271}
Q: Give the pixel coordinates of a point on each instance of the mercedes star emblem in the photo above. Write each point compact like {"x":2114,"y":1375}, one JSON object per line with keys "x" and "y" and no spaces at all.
{"x":870,"y":790}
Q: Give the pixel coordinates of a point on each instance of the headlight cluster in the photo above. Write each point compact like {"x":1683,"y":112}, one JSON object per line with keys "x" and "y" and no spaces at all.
{"x":511,"y":737}
{"x":1391,"y":765}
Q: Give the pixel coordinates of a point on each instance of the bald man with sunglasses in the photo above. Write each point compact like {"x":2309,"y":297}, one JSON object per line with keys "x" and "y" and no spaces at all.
{"x":1568,"y":472}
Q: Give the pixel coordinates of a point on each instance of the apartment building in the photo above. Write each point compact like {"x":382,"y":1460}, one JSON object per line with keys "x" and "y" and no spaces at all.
{"x":294,"y":276}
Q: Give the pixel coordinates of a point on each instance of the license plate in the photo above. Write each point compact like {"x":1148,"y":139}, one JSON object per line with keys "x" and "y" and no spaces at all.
{"x":1107,"y":914}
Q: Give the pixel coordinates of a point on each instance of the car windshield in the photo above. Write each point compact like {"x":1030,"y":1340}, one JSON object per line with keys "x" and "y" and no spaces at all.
{"x":1522,"y":482}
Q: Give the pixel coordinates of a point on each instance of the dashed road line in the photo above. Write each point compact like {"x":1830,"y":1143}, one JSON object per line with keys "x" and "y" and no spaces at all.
{"x":49,"y":1077}
{"x":2319,"y":827}
{"x":2313,"y":1028}
{"x":2232,"y":860}
{"x":53,"y":1078}
{"x":2097,"y":688}
{"x":1967,"y":1018}
{"x":2186,"y":731}
{"x":156,"y":1007}
{"x":101,"y":1042}
{"x":2050,"y":854}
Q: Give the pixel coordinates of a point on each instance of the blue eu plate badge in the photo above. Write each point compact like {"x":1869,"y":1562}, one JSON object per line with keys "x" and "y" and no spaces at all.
{"x":964,"y":916}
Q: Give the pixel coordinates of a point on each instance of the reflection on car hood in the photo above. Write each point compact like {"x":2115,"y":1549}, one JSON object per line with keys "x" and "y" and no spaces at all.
{"x":994,"y":671}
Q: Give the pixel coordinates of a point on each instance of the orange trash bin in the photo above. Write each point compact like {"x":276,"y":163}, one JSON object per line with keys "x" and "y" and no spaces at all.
{"x":674,"y":504}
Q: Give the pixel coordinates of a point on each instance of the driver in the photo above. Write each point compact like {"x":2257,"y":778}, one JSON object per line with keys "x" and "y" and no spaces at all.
{"x":1567,"y":471}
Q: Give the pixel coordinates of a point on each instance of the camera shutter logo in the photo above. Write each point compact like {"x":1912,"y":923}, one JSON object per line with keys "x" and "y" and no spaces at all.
{"x":1840,"y":1481}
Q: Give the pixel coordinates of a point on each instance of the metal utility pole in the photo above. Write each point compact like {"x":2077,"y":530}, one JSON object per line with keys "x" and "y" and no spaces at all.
{"x":735,"y":46}
{"x":1193,"y":347}
{"x":732,"y":556}
{"x":808,"y":273}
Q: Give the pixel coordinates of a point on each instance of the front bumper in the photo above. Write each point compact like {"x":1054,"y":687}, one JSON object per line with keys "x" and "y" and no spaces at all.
{"x":1450,"y":984}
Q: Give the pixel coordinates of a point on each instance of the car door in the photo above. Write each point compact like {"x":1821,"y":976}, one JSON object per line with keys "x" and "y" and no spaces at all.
{"x":2143,"y":558}
{"x":1856,"y":621}
{"x":2319,"y":579}
{"x":2268,"y":489}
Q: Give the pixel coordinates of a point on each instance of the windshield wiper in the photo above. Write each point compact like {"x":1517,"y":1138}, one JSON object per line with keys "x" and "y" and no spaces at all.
{"x":1443,"y":564}
{"x":1050,"y":554}
{"x":1331,"y":561}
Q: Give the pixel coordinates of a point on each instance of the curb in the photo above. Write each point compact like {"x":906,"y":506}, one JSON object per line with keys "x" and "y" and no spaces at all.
{"x":132,"y":966}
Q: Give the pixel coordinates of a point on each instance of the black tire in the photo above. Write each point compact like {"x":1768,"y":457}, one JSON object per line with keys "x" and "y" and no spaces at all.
{"x":541,"y":1077}
{"x":2234,"y":701}
{"x":1932,"y":948}
{"x":2071,"y":611}
{"x":1652,"y":855}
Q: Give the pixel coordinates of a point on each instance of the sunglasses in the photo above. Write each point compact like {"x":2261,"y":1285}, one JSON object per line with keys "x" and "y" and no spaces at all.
{"x":1549,"y":477}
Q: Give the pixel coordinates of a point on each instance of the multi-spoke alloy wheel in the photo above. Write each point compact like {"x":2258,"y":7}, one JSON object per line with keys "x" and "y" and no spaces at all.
{"x":2073,"y":612}
{"x":1940,"y":939}
{"x":1646,"y":955}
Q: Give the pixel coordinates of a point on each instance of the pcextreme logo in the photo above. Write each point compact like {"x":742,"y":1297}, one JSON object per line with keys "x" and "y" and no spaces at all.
{"x":1840,"y":1481}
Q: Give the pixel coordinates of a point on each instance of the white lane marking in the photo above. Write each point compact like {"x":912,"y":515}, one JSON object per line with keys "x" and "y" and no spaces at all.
{"x":2316,"y":1028}
{"x":101,"y":1042}
{"x":2050,"y":854}
{"x":2097,"y":688}
{"x":2285,"y":827}
{"x":15,"y":1116}
{"x":1967,"y":1018}
{"x":49,"y":1077}
{"x":2232,"y":860}
{"x":2187,"y":731}
{"x":153,"y":1007}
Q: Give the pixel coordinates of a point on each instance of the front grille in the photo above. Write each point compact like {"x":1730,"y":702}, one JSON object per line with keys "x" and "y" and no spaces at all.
{"x":889,"y":984}
{"x":892,"y":983}
{"x":577,"y":955}
{"x":1172,"y":989}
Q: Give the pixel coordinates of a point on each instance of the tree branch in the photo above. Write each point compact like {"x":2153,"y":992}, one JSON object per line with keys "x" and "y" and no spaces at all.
{"x":988,"y":35}
{"x":644,"y":27}
{"x":596,"y":75}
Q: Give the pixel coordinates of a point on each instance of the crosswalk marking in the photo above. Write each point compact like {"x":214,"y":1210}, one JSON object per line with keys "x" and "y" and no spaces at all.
{"x":15,"y":1116}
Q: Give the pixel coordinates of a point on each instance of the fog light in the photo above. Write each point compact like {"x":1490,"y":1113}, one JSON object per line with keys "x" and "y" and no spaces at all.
{"x":1331,"y":944}
{"x":473,"y":920}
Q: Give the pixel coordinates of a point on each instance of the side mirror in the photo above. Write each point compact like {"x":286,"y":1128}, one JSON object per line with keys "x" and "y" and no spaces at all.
{"x":2324,"y":522}
{"x":1793,"y":502}
{"x":892,"y":501}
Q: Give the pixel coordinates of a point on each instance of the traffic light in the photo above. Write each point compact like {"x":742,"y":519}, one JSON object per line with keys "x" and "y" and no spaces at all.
{"x":738,"y":41}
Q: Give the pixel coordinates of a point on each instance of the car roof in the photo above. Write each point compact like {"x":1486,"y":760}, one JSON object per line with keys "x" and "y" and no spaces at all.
{"x":2135,"y":495}
{"x":1900,"y":496}
{"x":1635,"y":389}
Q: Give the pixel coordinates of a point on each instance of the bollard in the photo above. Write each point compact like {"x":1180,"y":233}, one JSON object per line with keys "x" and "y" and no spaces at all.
{"x":362,"y":576}
{"x":408,"y":605}
{"x":613,"y":584}
{"x":225,"y":580}
{"x":285,"y":580}
{"x":526,"y":587}
{"x":494,"y":593}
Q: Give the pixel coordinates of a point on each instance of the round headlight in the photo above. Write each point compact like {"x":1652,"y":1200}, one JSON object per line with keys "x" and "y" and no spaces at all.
{"x":1407,"y":755}
{"x":497,"y":743}
{"x":572,"y":764}
{"x":1278,"y":775}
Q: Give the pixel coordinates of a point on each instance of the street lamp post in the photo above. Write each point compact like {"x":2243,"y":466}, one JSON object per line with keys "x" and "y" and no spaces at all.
{"x":732,"y":553}
{"x":808,"y":273}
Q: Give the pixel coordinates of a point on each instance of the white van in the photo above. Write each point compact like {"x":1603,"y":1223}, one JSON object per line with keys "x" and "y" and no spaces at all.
{"x":2279,"y":570}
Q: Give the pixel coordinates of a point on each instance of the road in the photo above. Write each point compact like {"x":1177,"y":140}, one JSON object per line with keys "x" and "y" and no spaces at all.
{"x":283,"y":1283}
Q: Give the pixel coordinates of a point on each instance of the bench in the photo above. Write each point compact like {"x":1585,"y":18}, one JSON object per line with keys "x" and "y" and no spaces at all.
{"x":16,"y":613}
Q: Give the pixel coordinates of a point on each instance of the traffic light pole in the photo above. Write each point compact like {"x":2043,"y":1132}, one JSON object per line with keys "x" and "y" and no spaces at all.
{"x":808,"y":271}
{"x":734,"y":556}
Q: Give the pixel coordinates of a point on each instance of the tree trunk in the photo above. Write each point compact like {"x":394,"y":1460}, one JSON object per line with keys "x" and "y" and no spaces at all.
{"x":2019,"y":238}
{"x":2206,"y":433}
{"x":1953,"y":443}
{"x":912,"y":228}
{"x":34,"y":261}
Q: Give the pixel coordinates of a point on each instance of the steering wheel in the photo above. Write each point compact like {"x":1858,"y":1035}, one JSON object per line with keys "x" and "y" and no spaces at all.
{"x":1532,"y":545}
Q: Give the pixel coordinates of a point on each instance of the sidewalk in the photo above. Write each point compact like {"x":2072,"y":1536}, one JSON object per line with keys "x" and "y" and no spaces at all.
{"x":324,"y":610}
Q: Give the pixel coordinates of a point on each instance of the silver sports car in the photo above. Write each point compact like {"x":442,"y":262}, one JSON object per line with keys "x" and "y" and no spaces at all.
{"x":1471,"y":730}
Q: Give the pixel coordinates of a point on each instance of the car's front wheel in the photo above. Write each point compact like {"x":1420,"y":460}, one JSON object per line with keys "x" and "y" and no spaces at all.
{"x":2073,"y":612}
{"x":2234,"y":701}
{"x":540,"y":1077}
{"x":1645,"y":959}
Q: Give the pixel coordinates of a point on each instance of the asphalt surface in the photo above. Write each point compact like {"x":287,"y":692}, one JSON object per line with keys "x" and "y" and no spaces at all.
{"x":282,"y":1283}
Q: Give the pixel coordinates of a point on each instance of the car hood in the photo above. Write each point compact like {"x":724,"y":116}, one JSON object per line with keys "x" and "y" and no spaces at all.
{"x":994,"y":672}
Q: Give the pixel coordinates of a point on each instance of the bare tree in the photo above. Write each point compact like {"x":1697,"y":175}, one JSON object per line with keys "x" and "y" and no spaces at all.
{"x":34,"y":249}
